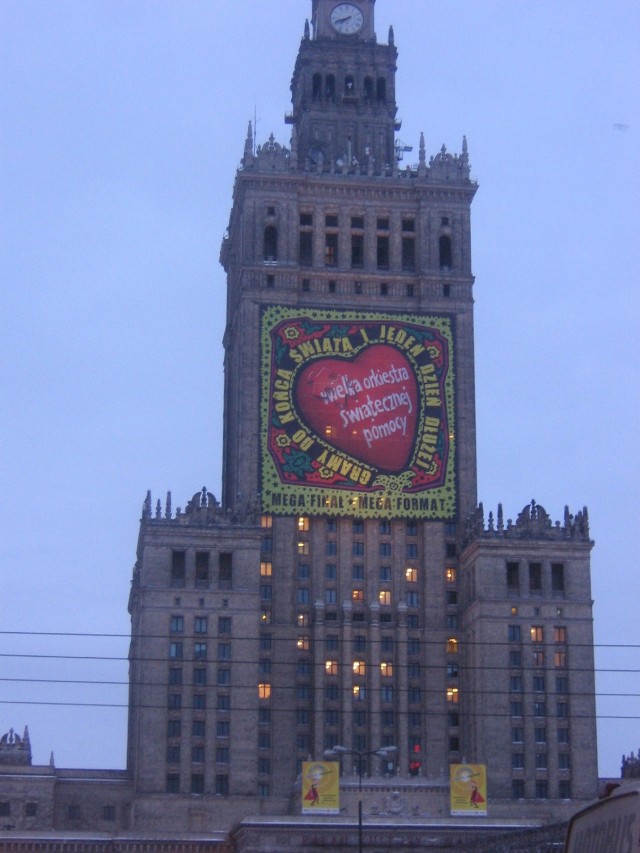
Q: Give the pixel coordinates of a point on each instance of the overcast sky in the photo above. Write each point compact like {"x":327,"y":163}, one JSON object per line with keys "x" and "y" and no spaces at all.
{"x":123,"y":124}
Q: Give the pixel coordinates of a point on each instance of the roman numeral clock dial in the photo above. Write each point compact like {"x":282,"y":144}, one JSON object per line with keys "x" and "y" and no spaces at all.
{"x":347,"y":19}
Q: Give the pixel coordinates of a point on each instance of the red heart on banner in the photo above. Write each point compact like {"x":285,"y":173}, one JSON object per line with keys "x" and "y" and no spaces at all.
{"x":366,"y":406}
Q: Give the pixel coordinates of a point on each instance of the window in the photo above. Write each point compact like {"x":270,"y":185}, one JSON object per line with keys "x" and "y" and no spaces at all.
{"x":451,"y":597}
{"x":304,"y":571}
{"x":411,"y":575}
{"x":175,"y":701}
{"x":386,"y":693}
{"x":535,"y":578}
{"x":411,"y":551}
{"x":357,"y":251}
{"x":517,"y":760}
{"x":412,"y":598}
{"x":31,"y":810}
{"x":265,"y":642}
{"x":199,"y":701}
{"x":264,"y":740}
{"x":264,"y":690}
{"x":222,"y":728}
{"x":384,"y":596}
{"x":225,"y":571}
{"x":223,"y":702}
{"x":222,"y":785}
{"x":515,"y":683}
{"x":306,"y":285}
{"x":266,"y":569}
{"x":385,"y":574}
{"x":444,"y":246}
{"x":540,"y":734}
{"x":453,"y":695}
{"x":331,"y":548}
{"x":452,"y":645}
{"x":517,"y":734}
{"x":331,"y":693}
{"x":538,"y":659}
{"x":177,"y":568}
{"x":564,"y":789}
{"x":560,"y":660}
{"x":359,"y":667}
{"x":359,"y":693}
{"x":303,"y":668}
{"x":174,"y":728}
{"x":266,"y":545}
{"x":200,"y":651}
{"x":537,"y":634}
{"x":331,"y":667}
{"x":5,"y":809}
{"x":330,"y":572}
{"x":173,"y":783}
{"x":451,"y":621}
{"x":539,"y":709}
{"x":542,"y":789}
{"x":175,"y":675}
{"x":264,"y":666}
{"x":538,"y":683}
{"x":408,"y":254}
{"x":559,"y":634}
{"x":302,"y":595}
{"x":450,"y":575}
{"x":515,"y":657}
{"x":224,"y":625}
{"x":331,"y":596}
{"x":202,"y":569}
{"x":303,"y":548}
{"x":222,"y":754}
{"x":513,"y":578}
{"x":562,"y":710}
{"x":557,"y":579}
{"x":270,"y":243}
{"x":562,"y":684}
{"x":176,"y":624}
{"x":175,"y":650}
{"x":563,"y":735}
{"x":357,"y":572}
{"x":382,"y":252}
{"x":541,"y":760}
{"x":514,"y":633}
{"x":197,"y":754}
{"x":358,"y":549}
{"x":515,"y":709}
{"x":517,"y":789}
{"x":385,"y":549}
{"x":331,"y":717}
{"x":413,"y":646}
{"x":564,"y":761}
{"x":199,"y":676}
{"x":302,"y":643}
{"x":223,"y":677}
{"x":200,"y":625}
{"x":331,"y":249}
{"x":197,"y":728}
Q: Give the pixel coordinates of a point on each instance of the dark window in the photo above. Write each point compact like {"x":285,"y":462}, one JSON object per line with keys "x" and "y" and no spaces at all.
{"x":517,"y":789}
{"x":305,"y":250}
{"x":199,"y":701}
{"x":177,"y":568}
{"x":445,"y":252}
{"x":410,"y":290}
{"x":306,"y":220}
{"x":174,"y":728}
{"x":382,"y":256}
{"x":223,"y":702}
{"x":176,"y":624}
{"x":222,"y":755}
{"x":557,"y":578}
{"x":408,"y":254}
{"x":513,"y":578}
{"x":331,"y":220}
{"x":381,"y":90}
{"x":316,"y":87}
{"x":270,"y":251}
{"x":514,"y":633}
{"x":357,"y":251}
{"x":564,"y":789}
{"x":202,"y":569}
{"x":535,"y":578}
{"x":5,"y":809}
{"x":306,"y":285}
{"x":330,"y":87}
{"x":199,"y":676}
{"x":542,"y":789}
{"x":200,"y":625}
{"x":225,"y":571}
{"x":384,"y":289}
{"x":30,"y":809}
{"x":197,"y":755}
{"x":368,"y":89}
{"x":332,"y":289}
{"x":222,"y":784}
{"x":173,"y":783}
{"x":175,"y":701}
{"x":197,"y":728}
{"x":224,"y":625}
{"x":331,"y":250}
{"x":175,"y":675}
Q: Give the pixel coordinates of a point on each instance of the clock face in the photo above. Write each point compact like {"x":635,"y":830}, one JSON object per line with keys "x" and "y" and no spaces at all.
{"x":347,"y":19}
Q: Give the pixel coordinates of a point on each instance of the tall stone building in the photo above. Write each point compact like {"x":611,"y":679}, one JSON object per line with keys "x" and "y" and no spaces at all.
{"x":348,"y":590}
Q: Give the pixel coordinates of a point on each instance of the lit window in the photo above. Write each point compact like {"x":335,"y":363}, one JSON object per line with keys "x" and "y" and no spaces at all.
{"x":411,"y":574}
{"x":538,"y":659}
{"x":560,"y":660}
{"x":452,"y":645}
{"x":453,"y":695}
{"x":359,"y":667}
{"x":450,"y":575}
{"x":358,"y":693}
{"x":559,"y":634}
{"x":266,"y":521}
{"x":386,"y":669}
{"x":303,"y":548}
{"x":384,"y":596}
{"x":357,"y":595}
{"x":302,"y":620}
{"x":266,"y":569}
{"x":303,"y":642}
{"x":265,"y":617}
{"x":303,"y":523}
{"x":264,"y":690}
{"x":331,"y":667}
{"x":537,"y":634}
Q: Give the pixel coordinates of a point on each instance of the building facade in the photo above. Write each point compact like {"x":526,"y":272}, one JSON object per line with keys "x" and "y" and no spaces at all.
{"x":347,"y":590}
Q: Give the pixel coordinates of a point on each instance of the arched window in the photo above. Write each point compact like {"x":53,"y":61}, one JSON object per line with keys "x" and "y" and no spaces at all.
{"x":349,"y":85}
{"x":317,"y":87}
{"x":381,"y":90}
{"x":271,"y":243}
{"x":368,"y":89}
{"x":445,"y":252}
{"x":330,"y":87}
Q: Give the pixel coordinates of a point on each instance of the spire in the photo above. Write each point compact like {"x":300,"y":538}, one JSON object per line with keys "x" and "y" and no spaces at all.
{"x":307,"y":32}
{"x":391,"y":36}
{"x":422,"y":157}
{"x":248,"y":143}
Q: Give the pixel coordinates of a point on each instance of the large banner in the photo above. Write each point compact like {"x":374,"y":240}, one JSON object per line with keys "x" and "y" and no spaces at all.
{"x":468,"y":789}
{"x":320,"y":787}
{"x":357,"y":414}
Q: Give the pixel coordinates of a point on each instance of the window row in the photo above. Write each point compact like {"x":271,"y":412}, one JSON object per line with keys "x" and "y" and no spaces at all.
{"x":539,"y":734}
{"x":535,"y":579}
{"x":539,"y":709}
{"x":538,"y":684}
{"x":541,"y":789}
{"x":201,"y":572}
{"x":197,"y":784}
{"x":326,"y":87}
{"x":536,"y":634}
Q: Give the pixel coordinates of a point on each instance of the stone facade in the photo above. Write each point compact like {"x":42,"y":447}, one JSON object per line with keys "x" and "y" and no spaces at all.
{"x":267,"y":629}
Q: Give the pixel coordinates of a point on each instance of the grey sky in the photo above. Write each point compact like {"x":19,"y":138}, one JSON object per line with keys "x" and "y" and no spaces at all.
{"x":123,"y":124}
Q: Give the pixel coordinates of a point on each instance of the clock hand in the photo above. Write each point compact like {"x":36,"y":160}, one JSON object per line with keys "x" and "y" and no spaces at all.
{"x":342,"y":20}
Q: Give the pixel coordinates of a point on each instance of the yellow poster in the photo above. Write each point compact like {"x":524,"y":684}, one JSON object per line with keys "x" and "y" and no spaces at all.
{"x":468,"y":789}
{"x":320,"y":787}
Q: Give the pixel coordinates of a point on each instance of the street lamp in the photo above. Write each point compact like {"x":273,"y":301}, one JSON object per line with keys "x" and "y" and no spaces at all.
{"x":338,"y":750}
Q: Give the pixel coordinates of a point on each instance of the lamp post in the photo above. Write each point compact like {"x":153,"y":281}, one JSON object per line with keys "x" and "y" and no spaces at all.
{"x":338,"y":750}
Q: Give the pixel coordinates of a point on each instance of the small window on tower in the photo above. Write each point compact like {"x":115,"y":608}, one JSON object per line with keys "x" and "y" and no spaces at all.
{"x":270,"y":244}
{"x":381,"y":90}
{"x":445,"y":252}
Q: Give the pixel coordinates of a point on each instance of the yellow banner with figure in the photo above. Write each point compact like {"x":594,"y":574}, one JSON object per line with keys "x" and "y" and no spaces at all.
{"x":468,"y":789}
{"x":320,"y":787}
